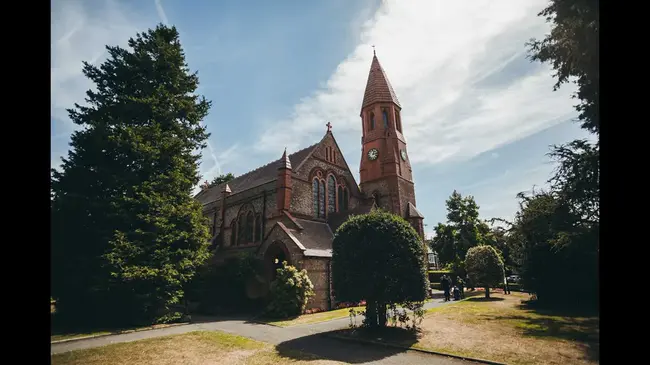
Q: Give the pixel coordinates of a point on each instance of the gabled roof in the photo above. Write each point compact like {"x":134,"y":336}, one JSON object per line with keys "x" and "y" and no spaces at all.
{"x":378,"y":88}
{"x":259,"y":176}
{"x":412,"y":212}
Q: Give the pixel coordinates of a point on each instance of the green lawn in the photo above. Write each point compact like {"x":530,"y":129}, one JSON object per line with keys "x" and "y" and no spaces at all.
{"x":194,"y":348}
{"x":315,"y":318}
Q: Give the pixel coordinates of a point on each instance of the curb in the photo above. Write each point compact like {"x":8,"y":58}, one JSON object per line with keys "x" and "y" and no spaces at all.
{"x":116,"y":333}
{"x":377,"y":343}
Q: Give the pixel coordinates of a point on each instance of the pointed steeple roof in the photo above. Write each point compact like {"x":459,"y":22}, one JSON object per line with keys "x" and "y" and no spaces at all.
{"x":378,"y":88}
{"x":285,"y":163}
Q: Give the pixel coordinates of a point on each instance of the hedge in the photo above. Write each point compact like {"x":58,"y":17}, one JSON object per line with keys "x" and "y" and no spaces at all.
{"x":436,"y":275}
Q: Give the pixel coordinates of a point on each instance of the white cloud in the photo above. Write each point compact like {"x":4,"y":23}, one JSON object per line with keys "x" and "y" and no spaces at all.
{"x":161,"y":12}
{"x":437,"y":54}
{"x":80,"y":33}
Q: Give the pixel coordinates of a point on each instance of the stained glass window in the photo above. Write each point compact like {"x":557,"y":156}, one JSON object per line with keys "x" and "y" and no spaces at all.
{"x":385,"y":116}
{"x":331,"y":194}
{"x":258,"y":228}
{"x":240,"y":229}
{"x":340,"y":198}
{"x":321,"y":199}
{"x":314,"y":188}
{"x":372,"y":121}
{"x":250,"y":223}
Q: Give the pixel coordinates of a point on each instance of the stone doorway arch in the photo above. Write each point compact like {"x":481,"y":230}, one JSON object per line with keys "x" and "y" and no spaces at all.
{"x":273,"y":257}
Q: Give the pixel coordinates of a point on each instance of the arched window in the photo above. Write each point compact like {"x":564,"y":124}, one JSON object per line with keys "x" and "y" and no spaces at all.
{"x":241,"y":229}
{"x":331,"y":194}
{"x":398,"y":121}
{"x":321,"y":199}
{"x":233,"y":232}
{"x":250,"y":226}
{"x":314,"y":188}
{"x":372,"y":121}
{"x":345,"y":199}
{"x":340,"y":194}
{"x":384,"y":115}
{"x":258,"y":228}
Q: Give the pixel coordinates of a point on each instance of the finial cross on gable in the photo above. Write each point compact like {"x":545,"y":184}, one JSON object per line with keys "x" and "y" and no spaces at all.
{"x":329,"y":126}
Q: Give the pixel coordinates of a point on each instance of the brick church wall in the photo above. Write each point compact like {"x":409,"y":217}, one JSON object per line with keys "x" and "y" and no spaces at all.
{"x":317,"y":270}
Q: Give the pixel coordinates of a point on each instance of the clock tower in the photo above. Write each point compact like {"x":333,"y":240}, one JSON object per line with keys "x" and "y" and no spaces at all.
{"x":385,"y":169}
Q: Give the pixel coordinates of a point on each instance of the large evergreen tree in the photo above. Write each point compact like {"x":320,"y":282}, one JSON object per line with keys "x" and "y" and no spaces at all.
{"x":126,"y":233}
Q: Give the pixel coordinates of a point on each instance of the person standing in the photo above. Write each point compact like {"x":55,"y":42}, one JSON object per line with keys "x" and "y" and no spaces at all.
{"x":445,"y":287}
{"x":506,"y":288}
{"x":461,"y":287}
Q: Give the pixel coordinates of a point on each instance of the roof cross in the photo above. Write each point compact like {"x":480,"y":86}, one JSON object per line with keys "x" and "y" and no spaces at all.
{"x":329,"y":126}
{"x":373,"y":50}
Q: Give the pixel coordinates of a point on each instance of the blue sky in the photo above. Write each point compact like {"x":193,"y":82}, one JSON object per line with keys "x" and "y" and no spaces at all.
{"x":477,"y":115}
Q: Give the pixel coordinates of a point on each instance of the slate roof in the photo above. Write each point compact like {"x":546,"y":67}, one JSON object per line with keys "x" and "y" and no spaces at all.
{"x":253,"y":178}
{"x":378,"y":88}
{"x":316,"y":237}
{"x":412,"y":212}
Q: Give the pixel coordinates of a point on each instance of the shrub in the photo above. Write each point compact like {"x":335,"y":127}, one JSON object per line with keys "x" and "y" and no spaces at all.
{"x":484,"y":267}
{"x":290,"y":292}
{"x":378,"y":257}
{"x":224,"y":286}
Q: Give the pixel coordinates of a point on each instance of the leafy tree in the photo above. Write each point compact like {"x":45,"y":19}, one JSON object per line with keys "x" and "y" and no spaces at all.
{"x":126,"y":233}
{"x":576,"y":180}
{"x":290,"y":292}
{"x":557,"y":253}
{"x":572,"y":48}
{"x":484,"y":267}
{"x":379,"y":258}
{"x":222,"y":179}
{"x":462,"y":231}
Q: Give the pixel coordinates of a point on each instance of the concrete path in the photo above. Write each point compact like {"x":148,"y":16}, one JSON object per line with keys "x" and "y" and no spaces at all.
{"x":307,"y":338}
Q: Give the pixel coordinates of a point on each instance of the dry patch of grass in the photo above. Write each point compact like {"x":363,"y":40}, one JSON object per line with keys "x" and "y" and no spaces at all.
{"x":194,"y":348}
{"x":79,"y":334}
{"x":501,"y":330}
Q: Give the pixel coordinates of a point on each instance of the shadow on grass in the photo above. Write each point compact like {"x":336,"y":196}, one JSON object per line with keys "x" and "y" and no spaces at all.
{"x":484,"y":299}
{"x":585,"y":331}
{"x":324,"y":346}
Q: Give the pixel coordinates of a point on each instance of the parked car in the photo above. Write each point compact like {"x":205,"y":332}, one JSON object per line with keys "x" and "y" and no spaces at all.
{"x":513,"y":278}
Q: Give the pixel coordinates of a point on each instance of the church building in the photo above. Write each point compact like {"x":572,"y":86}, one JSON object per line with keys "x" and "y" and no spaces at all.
{"x":290,"y":208}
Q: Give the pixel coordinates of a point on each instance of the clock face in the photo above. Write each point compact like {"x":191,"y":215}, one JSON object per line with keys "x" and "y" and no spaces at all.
{"x":373,"y":154}
{"x":403,"y":154}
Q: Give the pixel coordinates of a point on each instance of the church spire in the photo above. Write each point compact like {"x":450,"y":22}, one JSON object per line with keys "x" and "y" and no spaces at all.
{"x":378,"y":88}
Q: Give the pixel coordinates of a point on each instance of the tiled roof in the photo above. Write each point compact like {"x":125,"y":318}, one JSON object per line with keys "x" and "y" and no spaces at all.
{"x":253,"y":178}
{"x":315,"y":236}
{"x":378,"y":88}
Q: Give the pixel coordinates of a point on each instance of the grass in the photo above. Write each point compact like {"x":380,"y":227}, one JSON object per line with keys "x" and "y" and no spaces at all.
{"x":312,"y":318}
{"x":189,"y":349}
{"x":502,"y":329}
{"x":68,"y":335}
{"x":315,"y":317}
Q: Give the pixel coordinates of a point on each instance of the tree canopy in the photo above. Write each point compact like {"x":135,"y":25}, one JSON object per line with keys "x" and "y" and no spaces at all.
{"x":572,"y":48}
{"x":462,"y":231}
{"x":223,"y":178}
{"x":484,"y":267}
{"x":126,"y":233}
{"x":378,"y":257}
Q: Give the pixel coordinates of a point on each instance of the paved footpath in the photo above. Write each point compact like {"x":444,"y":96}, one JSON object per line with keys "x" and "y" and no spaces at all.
{"x":305,"y":337}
